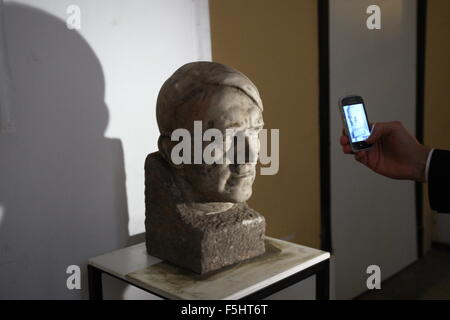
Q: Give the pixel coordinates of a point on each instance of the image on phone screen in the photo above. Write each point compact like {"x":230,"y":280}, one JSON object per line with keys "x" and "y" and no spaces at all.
{"x":358,"y":126}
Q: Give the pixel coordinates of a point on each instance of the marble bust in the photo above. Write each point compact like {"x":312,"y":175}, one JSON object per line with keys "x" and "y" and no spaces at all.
{"x":196,"y":213}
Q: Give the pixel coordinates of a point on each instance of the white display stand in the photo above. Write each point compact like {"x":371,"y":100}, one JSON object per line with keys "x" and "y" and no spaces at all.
{"x":282,"y":265}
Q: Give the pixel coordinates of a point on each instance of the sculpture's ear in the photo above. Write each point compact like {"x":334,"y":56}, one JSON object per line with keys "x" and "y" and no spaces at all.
{"x":165,"y":146}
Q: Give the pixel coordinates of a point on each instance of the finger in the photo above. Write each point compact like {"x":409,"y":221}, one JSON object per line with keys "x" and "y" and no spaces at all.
{"x":359,"y":156}
{"x":344,"y":140}
{"x":347,"y":149}
{"x":378,"y":130}
{"x":383,"y":129}
{"x":363,"y":158}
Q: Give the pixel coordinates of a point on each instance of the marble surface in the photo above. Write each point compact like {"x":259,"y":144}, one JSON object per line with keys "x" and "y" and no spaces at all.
{"x":281,"y":260}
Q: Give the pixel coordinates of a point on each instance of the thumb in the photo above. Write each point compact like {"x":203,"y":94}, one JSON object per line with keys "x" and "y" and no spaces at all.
{"x":379,"y":130}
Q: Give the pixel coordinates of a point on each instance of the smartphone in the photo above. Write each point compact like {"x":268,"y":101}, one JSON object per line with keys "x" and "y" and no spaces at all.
{"x":356,"y":123}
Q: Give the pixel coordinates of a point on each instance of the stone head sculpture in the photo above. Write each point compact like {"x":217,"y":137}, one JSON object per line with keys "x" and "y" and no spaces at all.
{"x":196,"y":212}
{"x":222,"y":98}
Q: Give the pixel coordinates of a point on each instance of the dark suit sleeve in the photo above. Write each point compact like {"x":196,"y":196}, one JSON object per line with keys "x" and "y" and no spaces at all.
{"x":439,"y":181}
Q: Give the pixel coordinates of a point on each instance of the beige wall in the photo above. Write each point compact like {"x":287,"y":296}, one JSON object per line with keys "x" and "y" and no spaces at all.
{"x":437,"y":88}
{"x":275,"y":44}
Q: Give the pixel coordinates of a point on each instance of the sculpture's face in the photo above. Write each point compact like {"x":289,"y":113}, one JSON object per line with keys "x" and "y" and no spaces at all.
{"x":232,"y":112}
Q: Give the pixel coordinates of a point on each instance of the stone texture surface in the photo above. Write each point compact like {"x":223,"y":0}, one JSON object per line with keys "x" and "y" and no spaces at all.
{"x":199,"y":242}
{"x":196,"y":214}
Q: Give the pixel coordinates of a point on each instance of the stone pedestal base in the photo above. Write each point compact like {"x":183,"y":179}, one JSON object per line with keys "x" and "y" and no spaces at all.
{"x":223,"y":239}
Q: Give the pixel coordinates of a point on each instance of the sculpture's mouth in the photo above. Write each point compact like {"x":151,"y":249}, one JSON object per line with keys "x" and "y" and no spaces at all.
{"x":242,"y":175}
{"x":242,"y":170}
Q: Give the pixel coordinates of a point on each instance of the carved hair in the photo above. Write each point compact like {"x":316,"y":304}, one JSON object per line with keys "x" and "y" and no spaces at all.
{"x":191,"y":84}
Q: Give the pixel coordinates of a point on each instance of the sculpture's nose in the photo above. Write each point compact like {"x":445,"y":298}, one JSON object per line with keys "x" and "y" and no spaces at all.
{"x":251,"y":149}
{"x":244,"y":149}
{"x":241,"y":150}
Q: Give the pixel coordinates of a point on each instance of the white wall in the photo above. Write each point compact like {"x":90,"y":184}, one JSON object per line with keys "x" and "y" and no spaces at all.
{"x":71,"y":176}
{"x":373,"y":218}
{"x":443,"y":228}
{"x":6,"y":121}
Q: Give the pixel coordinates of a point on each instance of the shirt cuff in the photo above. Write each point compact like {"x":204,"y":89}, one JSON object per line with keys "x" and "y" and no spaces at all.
{"x":427,"y":166}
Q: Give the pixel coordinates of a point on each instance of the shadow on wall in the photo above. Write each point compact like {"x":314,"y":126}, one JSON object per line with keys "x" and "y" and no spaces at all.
{"x":62,"y":183}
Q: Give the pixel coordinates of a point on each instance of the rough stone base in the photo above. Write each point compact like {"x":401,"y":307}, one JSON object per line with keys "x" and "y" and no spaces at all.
{"x":210,"y":248}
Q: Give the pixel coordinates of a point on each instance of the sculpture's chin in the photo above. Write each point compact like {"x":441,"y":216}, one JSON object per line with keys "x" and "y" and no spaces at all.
{"x":218,"y":186}
{"x":237,"y":195}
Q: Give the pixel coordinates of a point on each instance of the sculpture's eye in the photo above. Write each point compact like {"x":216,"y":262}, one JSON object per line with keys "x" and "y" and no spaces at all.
{"x":230,"y":133}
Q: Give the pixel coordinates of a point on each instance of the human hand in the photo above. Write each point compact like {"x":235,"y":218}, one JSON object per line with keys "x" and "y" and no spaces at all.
{"x":395,"y":153}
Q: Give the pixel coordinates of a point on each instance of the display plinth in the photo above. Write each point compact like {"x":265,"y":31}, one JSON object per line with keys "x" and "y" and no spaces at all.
{"x":283,"y":264}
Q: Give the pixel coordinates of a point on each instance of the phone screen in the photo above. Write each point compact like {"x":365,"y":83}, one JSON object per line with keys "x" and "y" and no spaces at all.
{"x":358,"y":126}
